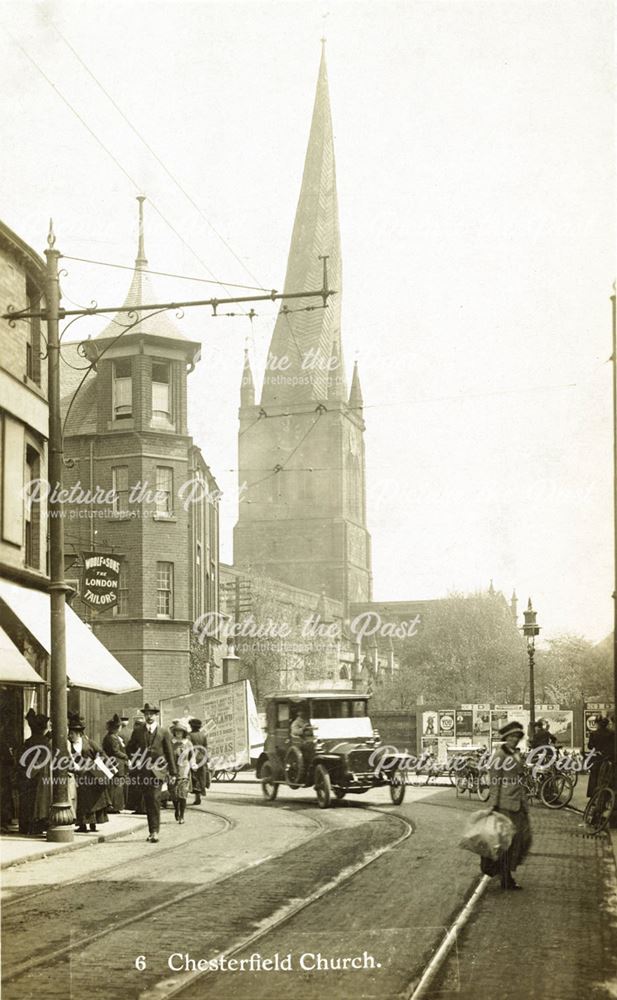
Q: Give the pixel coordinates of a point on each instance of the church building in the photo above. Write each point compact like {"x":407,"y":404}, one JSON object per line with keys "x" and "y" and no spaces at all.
{"x":301,"y":442}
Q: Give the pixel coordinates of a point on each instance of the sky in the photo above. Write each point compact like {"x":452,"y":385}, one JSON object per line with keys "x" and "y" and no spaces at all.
{"x":475,"y":152}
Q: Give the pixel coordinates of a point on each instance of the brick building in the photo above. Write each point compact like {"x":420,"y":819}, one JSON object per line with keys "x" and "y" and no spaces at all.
{"x":127,"y":436}
{"x":25,"y":642}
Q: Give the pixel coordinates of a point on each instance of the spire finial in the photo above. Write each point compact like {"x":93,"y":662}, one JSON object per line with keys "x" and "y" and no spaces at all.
{"x":141,"y":253}
{"x":51,"y":236}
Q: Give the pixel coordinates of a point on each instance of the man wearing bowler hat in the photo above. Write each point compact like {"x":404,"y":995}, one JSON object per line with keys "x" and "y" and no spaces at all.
{"x":150,"y":745}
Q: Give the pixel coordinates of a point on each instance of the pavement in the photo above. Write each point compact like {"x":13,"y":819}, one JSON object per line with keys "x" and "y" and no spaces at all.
{"x":16,"y":849}
{"x":557,"y":938}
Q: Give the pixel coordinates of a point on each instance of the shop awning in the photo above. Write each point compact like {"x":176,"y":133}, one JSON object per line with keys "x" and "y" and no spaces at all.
{"x":14,"y":667}
{"x":89,"y":664}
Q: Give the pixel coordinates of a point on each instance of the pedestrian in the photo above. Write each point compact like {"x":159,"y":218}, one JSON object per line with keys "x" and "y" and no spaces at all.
{"x":182,"y":750}
{"x":113,"y":746}
{"x":152,"y":746}
{"x":602,"y":742}
{"x":33,"y":780}
{"x":91,"y":784}
{"x":541,"y":737}
{"x":199,"y":774}
{"x":134,"y":796}
{"x":507,"y":796}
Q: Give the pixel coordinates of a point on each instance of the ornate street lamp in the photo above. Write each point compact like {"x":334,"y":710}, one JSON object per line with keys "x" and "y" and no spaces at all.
{"x":530,"y":630}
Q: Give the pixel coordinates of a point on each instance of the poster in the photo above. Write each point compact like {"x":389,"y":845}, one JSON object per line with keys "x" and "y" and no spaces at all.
{"x":430,"y":723}
{"x":230,"y":722}
{"x":446,"y":724}
{"x":464,"y":723}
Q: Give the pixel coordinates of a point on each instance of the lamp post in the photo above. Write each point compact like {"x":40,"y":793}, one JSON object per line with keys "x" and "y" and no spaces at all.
{"x":61,"y":815}
{"x":614,"y":360}
{"x":530,"y":630}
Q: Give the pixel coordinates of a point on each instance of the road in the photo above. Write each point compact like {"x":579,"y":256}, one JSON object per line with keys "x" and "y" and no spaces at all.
{"x":130,"y":919}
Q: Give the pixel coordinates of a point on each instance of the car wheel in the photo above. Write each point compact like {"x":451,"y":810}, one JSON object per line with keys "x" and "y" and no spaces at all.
{"x":340,"y":792}
{"x":294,"y":767}
{"x":269,"y":786}
{"x":397,"y":787}
{"x":323,"y":787}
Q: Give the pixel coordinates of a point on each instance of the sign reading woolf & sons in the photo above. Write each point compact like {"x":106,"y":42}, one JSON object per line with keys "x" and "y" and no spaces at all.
{"x":100,"y":580}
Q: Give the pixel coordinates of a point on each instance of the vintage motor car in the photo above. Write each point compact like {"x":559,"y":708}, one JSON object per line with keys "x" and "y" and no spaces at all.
{"x":325,"y":740}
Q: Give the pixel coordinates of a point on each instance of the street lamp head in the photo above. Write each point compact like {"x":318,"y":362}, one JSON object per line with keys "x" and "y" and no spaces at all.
{"x":530,"y":627}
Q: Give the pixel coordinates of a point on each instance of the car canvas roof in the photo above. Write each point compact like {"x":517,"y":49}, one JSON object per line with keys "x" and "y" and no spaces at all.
{"x":316,"y":695}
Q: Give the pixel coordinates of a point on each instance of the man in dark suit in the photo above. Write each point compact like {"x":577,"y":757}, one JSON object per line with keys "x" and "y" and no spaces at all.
{"x":150,"y":747}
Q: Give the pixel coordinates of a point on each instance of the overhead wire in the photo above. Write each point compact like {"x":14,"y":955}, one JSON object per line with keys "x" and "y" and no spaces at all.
{"x":152,"y":151}
{"x":167,"y":274}
{"x":109,"y":153}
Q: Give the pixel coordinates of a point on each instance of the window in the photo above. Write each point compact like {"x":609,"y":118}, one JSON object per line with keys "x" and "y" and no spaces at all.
{"x":33,"y":336}
{"x":121,"y":607}
{"x":161,"y":396}
{"x":198,"y":578}
{"x":32,"y":513}
{"x":164,"y":491}
{"x":120,"y":486}
{"x":123,"y":389}
{"x":164,"y":589}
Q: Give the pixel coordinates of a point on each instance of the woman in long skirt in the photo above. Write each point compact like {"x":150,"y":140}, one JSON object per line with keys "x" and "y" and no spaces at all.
{"x":508,"y":796}
{"x":92,"y":798}
{"x":113,"y":746}
{"x":182,"y":750}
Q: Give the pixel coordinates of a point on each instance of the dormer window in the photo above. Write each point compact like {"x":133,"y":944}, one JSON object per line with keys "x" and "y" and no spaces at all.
{"x":123,"y":389}
{"x":161,"y":392}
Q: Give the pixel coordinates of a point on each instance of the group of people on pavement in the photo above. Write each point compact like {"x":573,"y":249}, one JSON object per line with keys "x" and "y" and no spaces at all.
{"x":128,"y":771}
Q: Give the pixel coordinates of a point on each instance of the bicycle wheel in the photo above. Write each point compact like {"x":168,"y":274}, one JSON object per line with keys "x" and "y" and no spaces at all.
{"x":484,"y":787}
{"x":462,"y":784}
{"x":599,"y":809}
{"x":556,"y":791}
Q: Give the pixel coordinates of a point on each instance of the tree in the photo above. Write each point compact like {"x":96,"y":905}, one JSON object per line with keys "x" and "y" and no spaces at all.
{"x":468,"y":649}
{"x":573,"y":669}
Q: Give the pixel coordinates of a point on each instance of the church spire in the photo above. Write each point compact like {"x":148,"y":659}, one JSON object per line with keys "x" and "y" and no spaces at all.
{"x":311,"y":340}
{"x":356,"y":401}
{"x":247,"y":387}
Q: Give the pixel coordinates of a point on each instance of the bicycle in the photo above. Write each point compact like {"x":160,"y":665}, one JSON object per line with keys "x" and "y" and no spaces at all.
{"x":471,"y":778}
{"x":551,"y":787}
{"x":600,"y":807}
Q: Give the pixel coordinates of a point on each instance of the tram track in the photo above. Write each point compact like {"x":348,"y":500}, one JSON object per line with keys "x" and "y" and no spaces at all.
{"x":48,"y":957}
{"x":175,"y":987}
{"x":182,"y":984}
{"x":22,"y":898}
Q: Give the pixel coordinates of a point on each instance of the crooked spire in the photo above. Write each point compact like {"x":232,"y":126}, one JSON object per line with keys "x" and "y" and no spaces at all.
{"x":311,"y":341}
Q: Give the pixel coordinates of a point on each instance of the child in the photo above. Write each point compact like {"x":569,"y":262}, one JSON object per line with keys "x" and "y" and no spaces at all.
{"x":181,"y":746}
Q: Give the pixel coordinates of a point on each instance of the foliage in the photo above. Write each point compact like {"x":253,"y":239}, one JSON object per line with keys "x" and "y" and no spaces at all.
{"x":573,"y":669}
{"x":468,"y":649}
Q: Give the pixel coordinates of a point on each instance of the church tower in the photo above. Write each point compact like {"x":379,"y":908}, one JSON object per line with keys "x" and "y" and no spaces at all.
{"x":302,"y":515}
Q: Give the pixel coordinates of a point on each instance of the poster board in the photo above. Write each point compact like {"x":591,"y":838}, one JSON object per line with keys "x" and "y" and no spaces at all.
{"x":230,"y":722}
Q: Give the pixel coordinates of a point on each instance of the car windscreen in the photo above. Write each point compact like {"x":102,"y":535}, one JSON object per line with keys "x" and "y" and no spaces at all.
{"x":339,"y":708}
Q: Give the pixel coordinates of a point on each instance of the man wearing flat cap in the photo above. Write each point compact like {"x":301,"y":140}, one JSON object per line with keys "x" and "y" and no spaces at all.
{"x":150,"y":748}
{"x":508,"y":796}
